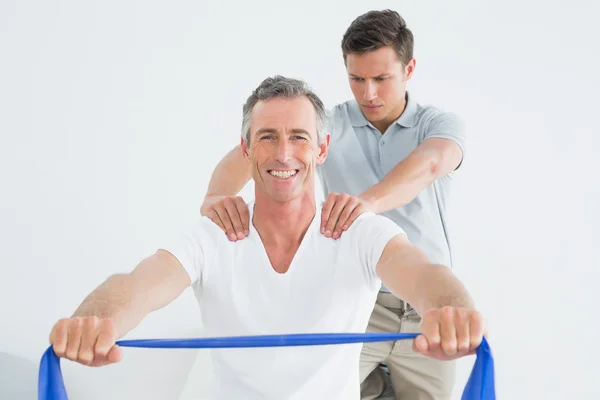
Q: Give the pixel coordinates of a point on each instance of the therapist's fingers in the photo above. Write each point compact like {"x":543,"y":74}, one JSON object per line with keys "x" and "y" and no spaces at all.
{"x":233,"y":211}
{"x":344,"y":219}
{"x":326,"y":210}
{"x":214,"y":217}
{"x":227,"y":225}
{"x":244,"y":213}
{"x":335,"y":206}
{"x":231,"y":214}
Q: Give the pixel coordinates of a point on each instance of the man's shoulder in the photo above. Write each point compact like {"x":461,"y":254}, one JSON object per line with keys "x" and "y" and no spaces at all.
{"x":342,"y":117}
{"x":369,"y":217}
{"x":208,"y":225}
{"x":341,"y":110}
{"x":432,"y":114}
{"x":369,"y":223}
{"x":208,"y":232}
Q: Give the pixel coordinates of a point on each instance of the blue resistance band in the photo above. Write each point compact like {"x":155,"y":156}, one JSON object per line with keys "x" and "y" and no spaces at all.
{"x":480,"y":386}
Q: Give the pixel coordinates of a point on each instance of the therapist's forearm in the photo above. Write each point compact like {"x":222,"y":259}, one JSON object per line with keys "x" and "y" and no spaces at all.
{"x":403,"y":183}
{"x":230,"y":175}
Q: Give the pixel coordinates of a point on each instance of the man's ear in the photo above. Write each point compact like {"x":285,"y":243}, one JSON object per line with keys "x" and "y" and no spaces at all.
{"x":323,"y":149}
{"x":244,"y":148}
{"x":410,"y":68}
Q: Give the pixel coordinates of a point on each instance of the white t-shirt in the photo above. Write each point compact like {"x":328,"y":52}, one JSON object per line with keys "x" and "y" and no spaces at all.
{"x":330,"y":287}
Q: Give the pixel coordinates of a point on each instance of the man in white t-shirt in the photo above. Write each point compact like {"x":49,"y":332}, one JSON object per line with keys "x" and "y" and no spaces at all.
{"x":286,"y":278}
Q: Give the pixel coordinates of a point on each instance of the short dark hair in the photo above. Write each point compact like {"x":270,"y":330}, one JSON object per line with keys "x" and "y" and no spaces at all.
{"x":376,"y":29}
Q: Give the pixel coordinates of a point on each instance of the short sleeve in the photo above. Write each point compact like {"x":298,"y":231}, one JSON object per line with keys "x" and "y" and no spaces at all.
{"x":371,"y":233}
{"x":193,"y":248}
{"x":447,"y":126}
{"x":329,"y":117}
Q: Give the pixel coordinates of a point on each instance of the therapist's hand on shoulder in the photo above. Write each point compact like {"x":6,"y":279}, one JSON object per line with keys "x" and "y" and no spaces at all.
{"x":450,"y":332}
{"x":230,"y":213}
{"x":89,"y":341}
{"x":339,"y":212}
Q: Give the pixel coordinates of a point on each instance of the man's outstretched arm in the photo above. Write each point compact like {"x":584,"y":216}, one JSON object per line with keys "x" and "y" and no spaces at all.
{"x":221,"y":203}
{"x":452,"y":327}
{"x":117,"y":306}
{"x":408,"y":273}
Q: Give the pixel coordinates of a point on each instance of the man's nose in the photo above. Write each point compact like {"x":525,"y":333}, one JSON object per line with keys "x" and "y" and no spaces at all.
{"x":370,"y":92}
{"x":283,"y":151}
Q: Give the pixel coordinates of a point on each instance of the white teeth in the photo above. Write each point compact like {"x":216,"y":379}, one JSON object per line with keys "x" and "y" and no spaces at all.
{"x":283,"y":174}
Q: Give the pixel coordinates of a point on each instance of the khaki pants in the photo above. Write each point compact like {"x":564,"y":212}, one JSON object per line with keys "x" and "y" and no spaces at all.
{"x":412,"y":375}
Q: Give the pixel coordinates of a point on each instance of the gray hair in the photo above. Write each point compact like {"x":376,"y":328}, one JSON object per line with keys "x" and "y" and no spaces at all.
{"x":277,"y":87}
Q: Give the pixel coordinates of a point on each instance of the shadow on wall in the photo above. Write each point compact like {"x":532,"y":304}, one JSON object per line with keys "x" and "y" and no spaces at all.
{"x":18,"y":378}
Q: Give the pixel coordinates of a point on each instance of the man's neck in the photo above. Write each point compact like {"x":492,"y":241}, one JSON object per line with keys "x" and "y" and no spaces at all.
{"x":283,"y":224}
{"x":384,"y":124}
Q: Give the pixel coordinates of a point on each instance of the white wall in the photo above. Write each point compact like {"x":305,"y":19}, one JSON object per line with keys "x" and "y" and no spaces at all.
{"x":107,"y":110}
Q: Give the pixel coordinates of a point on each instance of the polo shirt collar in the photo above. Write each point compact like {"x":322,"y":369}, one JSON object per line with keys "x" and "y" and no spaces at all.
{"x":407,"y":119}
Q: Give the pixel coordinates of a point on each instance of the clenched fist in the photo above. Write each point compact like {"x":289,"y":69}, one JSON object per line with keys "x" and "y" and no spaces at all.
{"x":450,"y":332}
{"x":87,"y":340}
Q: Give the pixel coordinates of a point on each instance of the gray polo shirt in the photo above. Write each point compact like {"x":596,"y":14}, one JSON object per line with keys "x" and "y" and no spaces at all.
{"x":360,"y":156}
